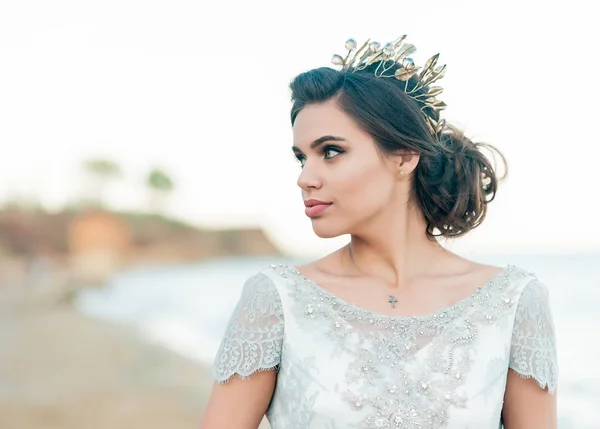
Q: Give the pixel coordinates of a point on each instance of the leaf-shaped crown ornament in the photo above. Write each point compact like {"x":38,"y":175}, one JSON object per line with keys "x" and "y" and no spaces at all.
{"x":398,"y":53}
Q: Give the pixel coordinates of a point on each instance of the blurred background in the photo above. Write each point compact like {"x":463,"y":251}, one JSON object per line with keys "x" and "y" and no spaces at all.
{"x":146,"y":171}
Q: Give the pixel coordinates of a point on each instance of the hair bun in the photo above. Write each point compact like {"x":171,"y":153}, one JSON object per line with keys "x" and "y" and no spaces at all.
{"x":455,"y":186}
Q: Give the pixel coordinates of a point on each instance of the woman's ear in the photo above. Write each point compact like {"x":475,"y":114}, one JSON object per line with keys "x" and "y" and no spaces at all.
{"x":406,"y":162}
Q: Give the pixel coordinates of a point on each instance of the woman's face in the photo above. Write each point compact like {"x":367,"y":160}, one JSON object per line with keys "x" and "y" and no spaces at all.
{"x":341,"y":167}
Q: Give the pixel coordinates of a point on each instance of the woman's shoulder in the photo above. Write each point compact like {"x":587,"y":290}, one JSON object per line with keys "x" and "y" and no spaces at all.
{"x":276,"y":272}
{"x":522,"y":277}
{"x":528,"y":293}
{"x":263,"y":284}
{"x":272,"y":279}
{"x":533,"y":290}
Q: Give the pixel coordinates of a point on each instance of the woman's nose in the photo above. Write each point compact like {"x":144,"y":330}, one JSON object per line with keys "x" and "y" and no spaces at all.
{"x":309,"y":178}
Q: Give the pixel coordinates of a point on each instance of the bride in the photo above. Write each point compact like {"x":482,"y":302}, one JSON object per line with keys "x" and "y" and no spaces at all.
{"x":391,"y":330}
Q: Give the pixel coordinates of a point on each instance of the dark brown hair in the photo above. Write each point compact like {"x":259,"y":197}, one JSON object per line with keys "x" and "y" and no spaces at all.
{"x":453,"y":182}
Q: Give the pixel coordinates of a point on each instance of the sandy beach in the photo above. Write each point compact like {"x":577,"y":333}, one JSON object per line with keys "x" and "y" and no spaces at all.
{"x":59,"y":369}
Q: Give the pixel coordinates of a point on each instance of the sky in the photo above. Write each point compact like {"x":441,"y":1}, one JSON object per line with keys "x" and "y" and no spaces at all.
{"x":201,"y":90}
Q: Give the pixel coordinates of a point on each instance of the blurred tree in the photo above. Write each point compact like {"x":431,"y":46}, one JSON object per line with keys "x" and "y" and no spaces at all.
{"x":161,"y":186}
{"x":101,"y":172}
{"x":23,"y":201}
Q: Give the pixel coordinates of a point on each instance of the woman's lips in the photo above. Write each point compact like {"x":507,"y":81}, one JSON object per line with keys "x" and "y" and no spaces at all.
{"x":316,"y":209}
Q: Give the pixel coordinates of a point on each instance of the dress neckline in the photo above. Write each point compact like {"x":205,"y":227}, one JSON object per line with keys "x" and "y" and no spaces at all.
{"x":441,"y":314}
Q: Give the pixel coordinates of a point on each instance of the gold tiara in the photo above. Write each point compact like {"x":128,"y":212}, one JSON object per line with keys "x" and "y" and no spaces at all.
{"x":393,"y":54}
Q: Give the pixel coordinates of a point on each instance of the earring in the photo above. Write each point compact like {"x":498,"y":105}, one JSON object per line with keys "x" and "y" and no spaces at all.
{"x":402,"y":172}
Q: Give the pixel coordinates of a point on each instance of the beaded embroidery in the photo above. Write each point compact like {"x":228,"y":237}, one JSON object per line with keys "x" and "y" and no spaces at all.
{"x":407,"y":369}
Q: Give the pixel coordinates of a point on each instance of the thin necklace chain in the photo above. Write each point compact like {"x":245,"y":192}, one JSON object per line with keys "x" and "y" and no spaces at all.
{"x":391,"y":298}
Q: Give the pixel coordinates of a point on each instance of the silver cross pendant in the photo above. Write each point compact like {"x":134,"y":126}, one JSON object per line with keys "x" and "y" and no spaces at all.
{"x":392,"y":301}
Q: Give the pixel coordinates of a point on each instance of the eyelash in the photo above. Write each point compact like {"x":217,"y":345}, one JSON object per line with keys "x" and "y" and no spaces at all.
{"x":302,"y":158}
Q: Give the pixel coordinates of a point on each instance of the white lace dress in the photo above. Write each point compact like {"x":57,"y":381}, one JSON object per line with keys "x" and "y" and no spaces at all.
{"x":340,"y":366}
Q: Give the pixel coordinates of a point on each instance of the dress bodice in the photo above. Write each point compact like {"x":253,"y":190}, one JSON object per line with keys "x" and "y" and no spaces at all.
{"x":342,"y":366}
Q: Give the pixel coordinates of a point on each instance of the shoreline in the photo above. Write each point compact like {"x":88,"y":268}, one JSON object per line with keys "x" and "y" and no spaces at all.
{"x":62,"y":369}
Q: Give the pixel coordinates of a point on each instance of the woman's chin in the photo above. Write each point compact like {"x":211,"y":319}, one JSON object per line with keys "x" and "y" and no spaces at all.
{"x":326,"y":229}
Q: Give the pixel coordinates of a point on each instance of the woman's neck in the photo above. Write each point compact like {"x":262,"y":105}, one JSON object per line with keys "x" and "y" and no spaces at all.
{"x":396,"y":251}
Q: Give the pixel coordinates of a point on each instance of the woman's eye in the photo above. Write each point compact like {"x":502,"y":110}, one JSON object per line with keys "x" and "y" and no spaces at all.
{"x":331,"y":150}
{"x":328,"y":153}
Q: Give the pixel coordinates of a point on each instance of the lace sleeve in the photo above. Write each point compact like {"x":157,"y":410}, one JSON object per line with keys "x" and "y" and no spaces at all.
{"x":254,"y":336}
{"x":533,"y":349}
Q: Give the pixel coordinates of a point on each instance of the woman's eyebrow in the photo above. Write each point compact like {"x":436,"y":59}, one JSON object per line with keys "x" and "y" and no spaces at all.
{"x":318,"y":142}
